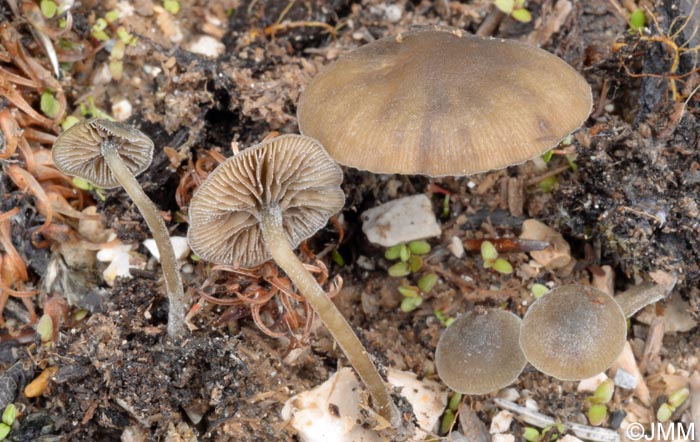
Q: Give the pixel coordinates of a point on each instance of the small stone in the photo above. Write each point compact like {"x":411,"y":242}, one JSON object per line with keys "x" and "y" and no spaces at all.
{"x":625,"y":380}
{"x":207,"y":46}
{"x":121,"y":110}
{"x":365,"y":263}
{"x":118,"y":268}
{"x":180,"y":247}
{"x":591,"y":384}
{"x":400,"y":221}
{"x":456,"y":247}
{"x":503,"y":438}
{"x":501,"y":422}
{"x":392,"y":13}
{"x":509,"y":394}
{"x":329,"y":412}
{"x":570,"y":438}
{"x":557,"y":255}
{"x":531,"y":404}
{"x":108,"y":254}
{"x":428,"y":398}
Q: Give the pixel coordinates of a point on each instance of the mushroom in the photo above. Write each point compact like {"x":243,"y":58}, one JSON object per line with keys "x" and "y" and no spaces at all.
{"x":440,"y":102}
{"x":109,"y":154}
{"x":573,"y":332}
{"x":261,"y":204}
{"x":479,"y":353}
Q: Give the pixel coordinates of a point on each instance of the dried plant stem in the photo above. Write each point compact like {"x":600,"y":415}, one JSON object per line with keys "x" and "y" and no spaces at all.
{"x":173,"y":282}
{"x":282,"y":253}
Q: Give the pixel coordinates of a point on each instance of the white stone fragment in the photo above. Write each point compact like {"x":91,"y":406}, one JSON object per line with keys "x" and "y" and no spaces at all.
{"x":332,"y":411}
{"x":509,"y":394}
{"x":119,"y":267}
{"x":310,"y":412}
{"x":109,"y":254}
{"x":207,"y":46}
{"x":570,"y":438}
{"x":501,"y":422}
{"x":392,"y":13}
{"x":456,"y":247}
{"x":590,"y":385}
{"x":428,"y":398}
{"x":503,"y":438}
{"x":626,"y":380}
{"x":400,"y":221}
{"x":180,"y":246}
{"x":121,"y":110}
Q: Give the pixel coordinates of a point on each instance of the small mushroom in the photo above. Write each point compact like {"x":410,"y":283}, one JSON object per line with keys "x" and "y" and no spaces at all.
{"x":441,"y":102}
{"x":261,"y":204}
{"x":109,"y":154}
{"x":573,"y":332}
{"x":479,"y":352}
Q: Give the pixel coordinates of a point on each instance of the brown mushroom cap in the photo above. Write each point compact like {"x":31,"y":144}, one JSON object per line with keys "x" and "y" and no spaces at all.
{"x":292,"y":172}
{"x":441,"y":102}
{"x":573,"y":332}
{"x":479,"y":352}
{"x":77,"y":151}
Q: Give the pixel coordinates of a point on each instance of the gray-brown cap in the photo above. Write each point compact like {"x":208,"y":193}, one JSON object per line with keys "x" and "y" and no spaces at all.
{"x":441,"y":102}
{"x":292,"y":172}
{"x":78,"y":151}
{"x":479,"y":352}
{"x":573,"y":332}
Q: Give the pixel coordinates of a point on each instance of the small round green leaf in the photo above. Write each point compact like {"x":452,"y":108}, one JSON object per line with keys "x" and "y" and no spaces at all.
{"x":419,"y":247}
{"x":664,"y":412}
{"x":637,"y":20}
{"x":4,"y":430}
{"x":408,"y":304}
{"x":427,"y":282}
{"x":522,"y":15}
{"x":9,"y":415}
{"x":503,"y":266}
{"x":399,"y":269}
{"x":597,"y":414}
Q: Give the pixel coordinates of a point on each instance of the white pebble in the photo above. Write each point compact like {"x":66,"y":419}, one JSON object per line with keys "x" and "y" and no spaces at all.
{"x":503,"y":438}
{"x":501,"y":422}
{"x":180,"y":246}
{"x":400,"y":221}
{"x":121,"y":110}
{"x":456,"y":247}
{"x":207,"y":46}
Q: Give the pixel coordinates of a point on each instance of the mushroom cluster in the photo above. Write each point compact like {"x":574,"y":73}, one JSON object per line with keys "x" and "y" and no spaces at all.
{"x":571,"y":333}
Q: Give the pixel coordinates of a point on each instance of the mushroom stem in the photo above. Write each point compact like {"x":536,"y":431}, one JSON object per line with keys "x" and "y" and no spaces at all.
{"x":276,"y":240}
{"x":639,"y":296}
{"x":173,"y":282}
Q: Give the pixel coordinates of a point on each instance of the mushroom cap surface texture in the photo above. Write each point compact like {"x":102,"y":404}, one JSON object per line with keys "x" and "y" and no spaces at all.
{"x":573,"y":332}
{"x":292,"y":172}
{"x":78,"y":150}
{"x":441,"y":102}
{"x":479,"y":353}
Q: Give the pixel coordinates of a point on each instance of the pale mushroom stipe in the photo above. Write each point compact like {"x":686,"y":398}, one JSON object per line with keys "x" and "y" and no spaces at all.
{"x":260,"y":204}
{"x":110,"y":154}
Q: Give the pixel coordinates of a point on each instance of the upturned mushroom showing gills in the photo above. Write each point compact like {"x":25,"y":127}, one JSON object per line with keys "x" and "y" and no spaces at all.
{"x":479,"y":352}
{"x":109,"y":154}
{"x":261,"y":204}
{"x":573,"y":332}
{"x":440,"y":102}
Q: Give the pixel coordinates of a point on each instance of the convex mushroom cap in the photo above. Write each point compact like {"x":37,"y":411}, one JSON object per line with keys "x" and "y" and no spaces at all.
{"x":573,"y":332}
{"x":292,"y":172}
{"x":479,"y":353}
{"x":78,"y":151}
{"x":440,"y":102}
